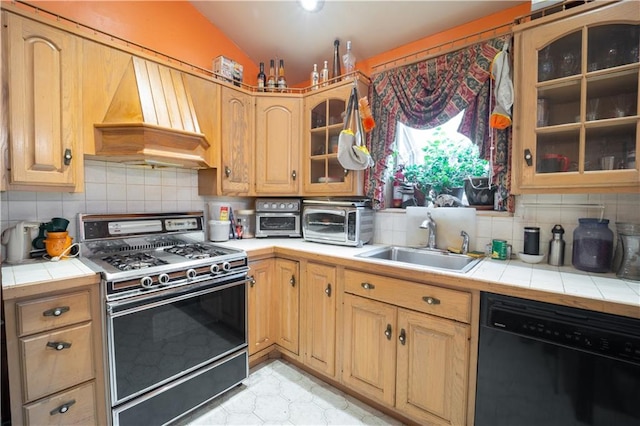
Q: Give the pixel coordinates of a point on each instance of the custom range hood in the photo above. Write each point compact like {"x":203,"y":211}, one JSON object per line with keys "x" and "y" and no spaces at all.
{"x":151,"y":120}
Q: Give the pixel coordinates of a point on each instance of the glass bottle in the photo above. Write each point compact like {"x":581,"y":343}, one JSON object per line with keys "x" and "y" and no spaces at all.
{"x":324,"y":75}
{"x":349,"y":60}
{"x":261,"y":78}
{"x":271,"y":80}
{"x":282,"y":81}
{"x":315,"y":76}
{"x":592,"y":245}
{"x":336,"y":72}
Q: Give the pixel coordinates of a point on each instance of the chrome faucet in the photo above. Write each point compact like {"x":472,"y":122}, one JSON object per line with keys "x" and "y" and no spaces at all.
{"x":465,"y":242}
{"x":430,"y":224}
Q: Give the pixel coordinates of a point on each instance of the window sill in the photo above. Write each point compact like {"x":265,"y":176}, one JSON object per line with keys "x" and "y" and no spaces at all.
{"x":485,"y":213}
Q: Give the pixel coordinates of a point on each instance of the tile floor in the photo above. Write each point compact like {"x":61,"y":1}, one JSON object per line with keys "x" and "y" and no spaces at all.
{"x":277,"y":393}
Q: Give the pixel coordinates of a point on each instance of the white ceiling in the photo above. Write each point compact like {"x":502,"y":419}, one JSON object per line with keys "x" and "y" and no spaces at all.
{"x":268,"y":29}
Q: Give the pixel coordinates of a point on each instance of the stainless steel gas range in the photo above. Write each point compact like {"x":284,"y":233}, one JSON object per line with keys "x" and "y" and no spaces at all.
{"x":175,"y":312}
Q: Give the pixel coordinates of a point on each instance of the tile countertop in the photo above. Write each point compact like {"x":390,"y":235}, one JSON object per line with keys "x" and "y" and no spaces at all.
{"x":564,"y":280}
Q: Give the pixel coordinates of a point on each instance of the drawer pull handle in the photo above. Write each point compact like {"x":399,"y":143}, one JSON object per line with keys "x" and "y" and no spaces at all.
{"x":403,"y":337}
{"x":56,"y":312}
{"x":387,"y":332}
{"x":292,"y":281}
{"x":58,"y":346}
{"x":328,"y":290}
{"x":63,"y":408}
{"x":368,"y":286}
{"x":431,"y":300}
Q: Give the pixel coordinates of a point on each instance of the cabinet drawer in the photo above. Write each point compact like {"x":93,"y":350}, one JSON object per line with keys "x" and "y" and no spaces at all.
{"x":425,"y":298}
{"x":48,"y":369}
{"x":39,"y":315}
{"x":75,"y":406}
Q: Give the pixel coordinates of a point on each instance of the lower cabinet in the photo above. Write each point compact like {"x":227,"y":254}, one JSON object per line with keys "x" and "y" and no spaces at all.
{"x":413,"y":361}
{"x":260,"y":297}
{"x":319,"y":318}
{"x":287,"y":291}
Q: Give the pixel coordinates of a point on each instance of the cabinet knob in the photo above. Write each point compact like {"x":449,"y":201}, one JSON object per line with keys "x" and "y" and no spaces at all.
{"x":387,"y":332}
{"x":252,"y":281}
{"x":67,"y":157}
{"x":431,"y":300}
{"x":328,"y":290}
{"x":294,"y":175}
{"x":403,"y":337}
{"x":58,"y":346}
{"x":292,"y":281}
{"x":528,"y":157}
{"x":63,"y":408}
{"x":368,"y":286}
{"x":56,"y":312}
{"x":227,"y":171}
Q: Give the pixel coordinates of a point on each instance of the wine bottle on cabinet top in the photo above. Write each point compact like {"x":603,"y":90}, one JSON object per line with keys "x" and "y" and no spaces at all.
{"x":282,"y":81}
{"x":261,"y":78}
{"x":324,"y":75}
{"x":271,"y":80}
{"x":315,"y":76}
{"x":336,"y":72}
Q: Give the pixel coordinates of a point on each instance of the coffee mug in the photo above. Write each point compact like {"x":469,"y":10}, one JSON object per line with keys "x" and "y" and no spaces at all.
{"x":551,"y":163}
{"x":57,"y":242}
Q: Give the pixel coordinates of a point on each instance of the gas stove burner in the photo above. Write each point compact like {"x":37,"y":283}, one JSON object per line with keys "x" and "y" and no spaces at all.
{"x":133,"y":261}
{"x":195,"y":251}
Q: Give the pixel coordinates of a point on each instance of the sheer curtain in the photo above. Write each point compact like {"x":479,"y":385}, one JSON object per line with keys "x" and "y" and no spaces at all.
{"x":430,"y":93}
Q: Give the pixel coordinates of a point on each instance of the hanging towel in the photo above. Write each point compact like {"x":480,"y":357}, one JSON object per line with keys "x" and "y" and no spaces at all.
{"x":501,"y":73}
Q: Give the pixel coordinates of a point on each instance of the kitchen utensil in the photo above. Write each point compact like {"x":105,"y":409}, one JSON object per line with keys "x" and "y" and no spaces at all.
{"x":592,"y":245}
{"x":57,"y":242}
{"x":38,"y":242}
{"x":530,"y":258}
{"x":532,"y":240}
{"x":607,"y":162}
{"x":57,"y":224}
{"x":18,"y":241}
{"x":626,"y":260}
{"x":499,"y":249}
{"x":556,"y":247}
{"x":551,"y":163}
{"x":219,"y":230}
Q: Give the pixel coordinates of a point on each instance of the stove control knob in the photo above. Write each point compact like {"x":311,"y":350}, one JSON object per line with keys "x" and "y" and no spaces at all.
{"x":214,"y":269}
{"x":226,"y":266}
{"x":191,"y":274}
{"x":163,"y":278}
{"x":146,"y":282}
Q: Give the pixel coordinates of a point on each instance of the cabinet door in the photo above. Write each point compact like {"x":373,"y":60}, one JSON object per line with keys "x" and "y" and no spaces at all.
{"x":237,"y":142}
{"x":323,"y":122}
{"x":260,"y":298}
{"x":580,"y":74}
{"x":433,"y":360}
{"x":277,"y":145}
{"x":369,"y":349}
{"x":288,"y":291}
{"x":320,"y":318}
{"x":45,"y":85}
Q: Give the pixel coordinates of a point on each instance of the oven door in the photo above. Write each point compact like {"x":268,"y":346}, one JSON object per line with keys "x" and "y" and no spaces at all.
{"x":325,"y":225}
{"x":155,"y":339}
{"x":278,"y":225}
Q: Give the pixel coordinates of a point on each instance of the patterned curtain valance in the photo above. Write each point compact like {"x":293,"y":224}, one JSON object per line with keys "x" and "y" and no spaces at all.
{"x":428,"y":94}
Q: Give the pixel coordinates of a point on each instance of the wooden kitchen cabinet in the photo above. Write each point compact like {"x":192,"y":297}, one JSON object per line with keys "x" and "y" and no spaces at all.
{"x":260,"y":306}
{"x":580,"y":73}
{"x":44,"y":83}
{"x":323,"y":122}
{"x":287,"y":280}
{"x":277,"y":150}
{"x":54,"y":353}
{"x":319,"y":317}
{"x":415,"y":361}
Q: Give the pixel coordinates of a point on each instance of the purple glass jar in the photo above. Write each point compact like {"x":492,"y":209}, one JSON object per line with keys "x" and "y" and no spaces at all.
{"x":592,"y":245}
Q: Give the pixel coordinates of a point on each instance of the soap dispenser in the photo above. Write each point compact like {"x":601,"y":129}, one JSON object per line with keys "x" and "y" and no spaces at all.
{"x":556,"y":247}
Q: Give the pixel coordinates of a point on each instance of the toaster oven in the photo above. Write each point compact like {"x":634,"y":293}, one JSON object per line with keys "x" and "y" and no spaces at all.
{"x":347,"y":223}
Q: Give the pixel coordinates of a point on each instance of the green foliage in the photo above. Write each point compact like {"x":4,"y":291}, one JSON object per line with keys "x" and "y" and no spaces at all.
{"x":446,"y":164}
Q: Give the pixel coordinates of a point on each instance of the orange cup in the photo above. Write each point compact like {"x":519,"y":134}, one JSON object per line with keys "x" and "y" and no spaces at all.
{"x":57,"y":242}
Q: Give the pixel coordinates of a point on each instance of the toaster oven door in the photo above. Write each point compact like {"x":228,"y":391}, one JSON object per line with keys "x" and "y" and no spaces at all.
{"x":325,"y":225}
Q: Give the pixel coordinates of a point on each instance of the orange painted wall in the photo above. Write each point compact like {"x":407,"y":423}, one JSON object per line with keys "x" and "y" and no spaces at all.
{"x":177,"y":29}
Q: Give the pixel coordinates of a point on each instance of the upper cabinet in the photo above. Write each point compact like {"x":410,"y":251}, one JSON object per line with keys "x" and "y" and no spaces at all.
{"x":576,"y":113}
{"x":323,"y":122}
{"x":42,"y":75}
{"x":277,"y":150}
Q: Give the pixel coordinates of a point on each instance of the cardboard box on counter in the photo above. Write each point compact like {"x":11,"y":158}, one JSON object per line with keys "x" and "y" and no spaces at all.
{"x":227,"y":68}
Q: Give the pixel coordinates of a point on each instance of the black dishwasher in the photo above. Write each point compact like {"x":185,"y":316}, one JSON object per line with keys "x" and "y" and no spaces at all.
{"x":545,"y":364}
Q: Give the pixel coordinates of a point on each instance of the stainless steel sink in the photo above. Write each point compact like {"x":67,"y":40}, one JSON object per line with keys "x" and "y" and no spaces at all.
{"x":435,"y":259}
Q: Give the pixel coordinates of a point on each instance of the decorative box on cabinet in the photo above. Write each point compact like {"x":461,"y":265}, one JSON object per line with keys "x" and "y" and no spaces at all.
{"x":54,"y":353}
{"x":277,"y":149}
{"x":43,"y":106}
{"x":407,"y":346}
{"x":323,"y":121}
{"x":580,"y":73}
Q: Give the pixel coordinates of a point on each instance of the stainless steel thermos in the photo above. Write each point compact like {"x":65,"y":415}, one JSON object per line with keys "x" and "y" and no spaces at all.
{"x":556,"y":247}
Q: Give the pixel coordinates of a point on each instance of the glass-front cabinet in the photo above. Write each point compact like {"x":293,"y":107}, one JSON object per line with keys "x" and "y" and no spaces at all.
{"x":324,"y":115}
{"x":576,"y":101}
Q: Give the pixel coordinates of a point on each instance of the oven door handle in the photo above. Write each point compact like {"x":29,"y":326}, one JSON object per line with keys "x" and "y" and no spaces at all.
{"x":171,"y":295}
